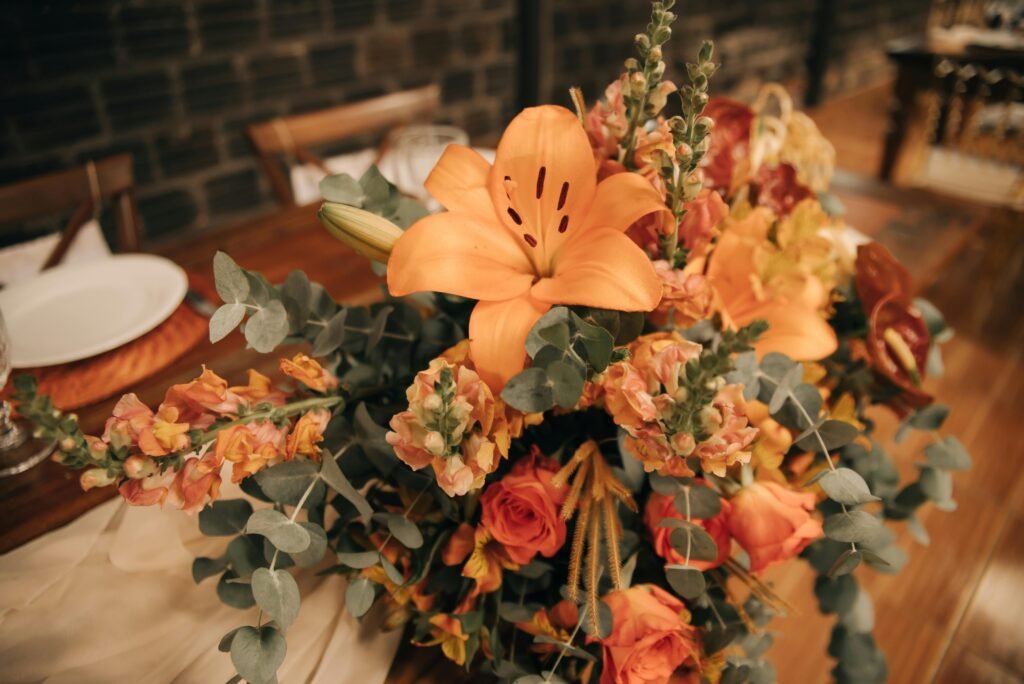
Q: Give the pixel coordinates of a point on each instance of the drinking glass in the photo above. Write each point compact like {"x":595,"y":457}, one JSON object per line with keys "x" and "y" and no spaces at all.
{"x":415,"y":150}
{"x":19,"y":450}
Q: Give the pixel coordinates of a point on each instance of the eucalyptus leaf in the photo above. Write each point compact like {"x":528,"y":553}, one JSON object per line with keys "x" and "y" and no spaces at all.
{"x":225,"y":641}
{"x":233,"y":593}
{"x":314,"y":553}
{"x":224,"y":320}
{"x":359,"y":559}
{"x":566,"y":383}
{"x":343,"y":189}
{"x":691,"y":538}
{"x":206,"y":567}
{"x":852,"y":526}
{"x":948,"y":454}
{"x":287,"y":482}
{"x":937,"y":484}
{"x":529,"y":391}
{"x":835,"y":594}
{"x":277,"y":594}
{"x":230,"y":280}
{"x":359,"y":596}
{"x":332,"y":475}
{"x":663,"y":484}
{"x":244,"y":554}
{"x":267,"y":328}
{"x":846,"y":486}
{"x":569,"y":649}
{"x":391,"y":571}
{"x":604,"y":621}
{"x":860,"y":617}
{"x":704,"y":502}
{"x":283,"y":533}
{"x":297,"y":295}
{"x":405,"y":531}
{"x":332,"y":336}
{"x":378,"y":326}
{"x":845,"y":564}
{"x":687,"y":582}
{"x":930,"y":417}
{"x":257,"y":653}
{"x":224,"y":517}
{"x":834,"y":433}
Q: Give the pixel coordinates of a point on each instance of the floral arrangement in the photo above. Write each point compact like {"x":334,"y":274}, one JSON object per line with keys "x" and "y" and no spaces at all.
{"x":630,"y":374}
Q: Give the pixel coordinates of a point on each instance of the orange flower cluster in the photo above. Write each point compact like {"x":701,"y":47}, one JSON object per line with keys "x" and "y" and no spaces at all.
{"x":455,"y":424}
{"x":190,"y":408}
{"x":646,"y":395}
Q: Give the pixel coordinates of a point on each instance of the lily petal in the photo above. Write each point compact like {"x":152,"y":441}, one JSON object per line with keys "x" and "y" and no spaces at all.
{"x":461,"y":255}
{"x":459,"y":182}
{"x":497,"y":337}
{"x":801,"y":334}
{"x":620,"y":201}
{"x":543,"y":178}
{"x":606,"y":269}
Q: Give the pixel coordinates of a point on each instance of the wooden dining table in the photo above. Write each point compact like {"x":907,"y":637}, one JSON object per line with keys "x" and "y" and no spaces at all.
{"x":924,"y":232}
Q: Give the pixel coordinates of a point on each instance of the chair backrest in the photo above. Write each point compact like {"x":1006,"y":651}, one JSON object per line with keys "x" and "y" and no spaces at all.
{"x":293,"y":135}
{"x":69,"y":189}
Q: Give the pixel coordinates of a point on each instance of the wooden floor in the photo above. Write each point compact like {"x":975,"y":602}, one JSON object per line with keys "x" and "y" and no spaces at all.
{"x":955,"y":615}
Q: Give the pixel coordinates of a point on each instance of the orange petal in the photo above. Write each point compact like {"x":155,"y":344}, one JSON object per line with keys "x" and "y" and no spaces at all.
{"x":543,"y":178}
{"x":497,"y":337}
{"x":621,"y":200}
{"x":461,"y":255}
{"x":605,"y":269}
{"x":459,"y":182}
{"x":802,"y":334}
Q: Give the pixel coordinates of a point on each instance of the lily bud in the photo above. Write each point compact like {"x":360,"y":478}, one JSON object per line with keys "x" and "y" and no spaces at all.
{"x":367,"y":233}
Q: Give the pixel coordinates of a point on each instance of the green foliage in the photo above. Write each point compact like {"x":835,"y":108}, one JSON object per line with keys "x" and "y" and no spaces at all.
{"x":257,"y":652}
{"x":277,"y":594}
{"x":224,"y":517}
{"x":287,"y":535}
{"x":359,"y":596}
{"x":686,"y":581}
{"x":690,"y":540}
{"x":374,"y":193}
{"x":846,"y":486}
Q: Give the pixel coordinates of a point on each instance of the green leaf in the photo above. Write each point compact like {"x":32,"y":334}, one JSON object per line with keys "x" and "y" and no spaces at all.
{"x":852,"y":526}
{"x":835,"y":433}
{"x":534,"y":341}
{"x":704,"y":502}
{"x":332,"y":336}
{"x":604,"y":621}
{"x":317,"y":546}
{"x":569,"y":649}
{"x":296,"y":294}
{"x":287,"y":482}
{"x":257,"y":653}
{"x":566,"y":383}
{"x":332,"y":475}
{"x":225,"y":517}
{"x":515,"y":612}
{"x":405,"y":531}
{"x":378,"y":326}
{"x":359,"y":596}
{"x":225,"y":641}
{"x":789,"y":381}
{"x":231,"y":283}
{"x":206,"y":567}
{"x":268,"y":327}
{"x":835,"y":594}
{"x":359,"y":559}
{"x":235,"y":594}
{"x":890,"y":559}
{"x":846,"y":486}
{"x":685,"y":581}
{"x":930,"y":417}
{"x":529,"y":391}
{"x":376,"y":188}
{"x":556,"y":335}
{"x":775,"y":365}
{"x":408,"y":212}
{"x":949,"y":454}
{"x":277,"y":594}
{"x":917,"y":530}
{"x":391,"y":571}
{"x":285,"y":534}
{"x":244,"y":554}
{"x":343,"y":189}
{"x":598,"y":342}
{"x":689,"y":535}
{"x":936,"y":484}
{"x":846,"y":563}
{"x":224,"y":320}
{"x":663,"y":484}
{"x":860,"y":617}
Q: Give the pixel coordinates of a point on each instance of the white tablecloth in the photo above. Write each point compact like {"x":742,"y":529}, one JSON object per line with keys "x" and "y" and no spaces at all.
{"x":110,"y":598}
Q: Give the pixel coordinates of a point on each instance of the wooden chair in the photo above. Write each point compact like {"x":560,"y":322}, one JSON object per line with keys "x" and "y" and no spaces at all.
{"x":293,"y":135}
{"x":81,"y":189}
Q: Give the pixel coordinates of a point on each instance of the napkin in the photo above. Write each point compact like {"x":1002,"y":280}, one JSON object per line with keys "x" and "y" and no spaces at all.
{"x":25,"y":259}
{"x":110,"y":598}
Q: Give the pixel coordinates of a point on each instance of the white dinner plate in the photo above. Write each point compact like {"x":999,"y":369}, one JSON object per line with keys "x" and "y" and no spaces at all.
{"x":76,"y":311}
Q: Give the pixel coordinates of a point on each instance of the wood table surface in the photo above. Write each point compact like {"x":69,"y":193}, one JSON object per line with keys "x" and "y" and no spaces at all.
{"x":925,"y":233}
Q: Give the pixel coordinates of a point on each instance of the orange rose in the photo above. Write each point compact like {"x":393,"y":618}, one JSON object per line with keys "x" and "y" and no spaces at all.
{"x":522,"y":509}
{"x":772,"y":523}
{"x":649,"y":638}
{"x":660,"y":507}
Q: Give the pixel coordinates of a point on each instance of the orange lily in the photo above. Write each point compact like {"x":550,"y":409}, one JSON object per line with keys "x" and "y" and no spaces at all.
{"x":795,"y":326}
{"x":534,"y":230}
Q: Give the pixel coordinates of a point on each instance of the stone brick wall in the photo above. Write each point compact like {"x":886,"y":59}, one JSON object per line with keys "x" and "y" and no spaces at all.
{"x":176,"y":82}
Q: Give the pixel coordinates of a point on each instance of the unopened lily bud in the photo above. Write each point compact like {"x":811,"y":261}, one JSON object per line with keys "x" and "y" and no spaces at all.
{"x":367,"y":233}
{"x":95,"y":477}
{"x":138,"y":467}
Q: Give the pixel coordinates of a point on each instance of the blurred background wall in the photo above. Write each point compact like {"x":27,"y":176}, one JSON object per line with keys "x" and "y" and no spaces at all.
{"x":176,"y":82}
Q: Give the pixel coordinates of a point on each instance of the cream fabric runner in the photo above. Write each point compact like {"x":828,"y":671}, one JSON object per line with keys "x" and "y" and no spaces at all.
{"x":110,"y":598}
